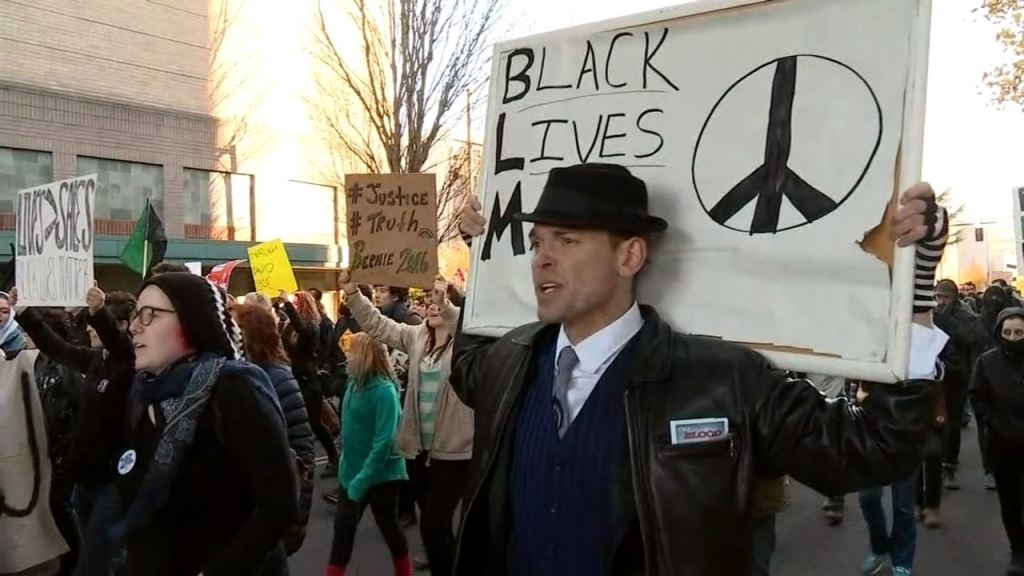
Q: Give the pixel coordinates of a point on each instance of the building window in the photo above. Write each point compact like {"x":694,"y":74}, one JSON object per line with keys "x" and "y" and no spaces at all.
{"x":217,"y":204}
{"x":979,"y":234}
{"x":21,"y":169}
{"x":123,"y":187}
{"x":312,"y":208}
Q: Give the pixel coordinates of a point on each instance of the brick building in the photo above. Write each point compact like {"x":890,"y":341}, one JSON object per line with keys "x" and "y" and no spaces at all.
{"x":135,"y":91}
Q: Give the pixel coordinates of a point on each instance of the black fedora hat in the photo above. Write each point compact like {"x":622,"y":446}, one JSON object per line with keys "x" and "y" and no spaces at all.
{"x":595,"y":196}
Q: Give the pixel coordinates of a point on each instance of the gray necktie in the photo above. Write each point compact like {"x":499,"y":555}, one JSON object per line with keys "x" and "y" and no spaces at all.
{"x":567,"y":360}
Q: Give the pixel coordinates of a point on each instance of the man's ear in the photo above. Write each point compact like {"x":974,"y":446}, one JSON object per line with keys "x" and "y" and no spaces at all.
{"x":632,"y":255}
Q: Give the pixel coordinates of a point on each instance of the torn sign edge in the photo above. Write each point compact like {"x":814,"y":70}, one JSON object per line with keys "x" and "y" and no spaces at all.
{"x":909,"y":159}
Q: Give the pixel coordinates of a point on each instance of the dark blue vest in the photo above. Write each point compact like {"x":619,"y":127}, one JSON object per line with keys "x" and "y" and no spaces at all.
{"x":560,"y":490}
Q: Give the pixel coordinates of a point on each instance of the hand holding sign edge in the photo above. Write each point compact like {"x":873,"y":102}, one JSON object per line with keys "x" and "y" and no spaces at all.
{"x":345,"y":281}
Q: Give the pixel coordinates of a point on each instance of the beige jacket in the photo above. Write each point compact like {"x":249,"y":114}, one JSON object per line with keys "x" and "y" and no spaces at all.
{"x":32,"y":541}
{"x":453,"y":424}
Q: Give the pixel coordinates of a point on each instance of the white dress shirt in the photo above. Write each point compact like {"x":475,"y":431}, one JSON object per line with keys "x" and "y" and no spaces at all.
{"x":596,"y":353}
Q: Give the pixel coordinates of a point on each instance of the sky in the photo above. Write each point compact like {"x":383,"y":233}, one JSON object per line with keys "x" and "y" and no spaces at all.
{"x":971,"y":147}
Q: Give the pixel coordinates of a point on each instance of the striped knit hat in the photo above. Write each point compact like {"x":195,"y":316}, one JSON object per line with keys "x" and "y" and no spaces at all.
{"x":201,"y":307}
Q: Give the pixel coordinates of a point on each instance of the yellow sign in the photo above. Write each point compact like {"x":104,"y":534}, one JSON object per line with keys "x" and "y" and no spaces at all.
{"x":271,"y":269}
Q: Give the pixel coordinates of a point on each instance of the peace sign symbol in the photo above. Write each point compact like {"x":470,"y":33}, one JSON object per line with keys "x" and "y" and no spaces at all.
{"x":844,"y":139}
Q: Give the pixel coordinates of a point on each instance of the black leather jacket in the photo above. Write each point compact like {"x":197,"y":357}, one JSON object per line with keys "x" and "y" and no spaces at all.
{"x":687,"y":508}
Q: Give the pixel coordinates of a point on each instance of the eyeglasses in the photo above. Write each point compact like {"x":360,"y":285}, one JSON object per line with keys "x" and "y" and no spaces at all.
{"x":146,"y":314}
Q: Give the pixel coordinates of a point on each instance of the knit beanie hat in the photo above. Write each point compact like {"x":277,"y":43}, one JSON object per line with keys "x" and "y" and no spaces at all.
{"x":201,"y":307}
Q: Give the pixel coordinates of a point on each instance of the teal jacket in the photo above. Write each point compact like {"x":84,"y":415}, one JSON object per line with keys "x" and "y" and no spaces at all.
{"x":369,"y":423}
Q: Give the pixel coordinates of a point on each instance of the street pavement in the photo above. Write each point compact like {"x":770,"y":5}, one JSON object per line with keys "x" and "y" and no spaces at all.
{"x":971,"y":542}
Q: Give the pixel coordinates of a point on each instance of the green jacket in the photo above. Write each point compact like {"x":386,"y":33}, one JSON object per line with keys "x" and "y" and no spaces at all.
{"x":369,"y":420}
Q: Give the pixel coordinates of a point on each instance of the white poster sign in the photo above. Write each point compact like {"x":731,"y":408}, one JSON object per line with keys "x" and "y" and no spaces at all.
{"x":1018,"y":228}
{"x":772,"y":137}
{"x":54,"y":264}
{"x":195,"y":268}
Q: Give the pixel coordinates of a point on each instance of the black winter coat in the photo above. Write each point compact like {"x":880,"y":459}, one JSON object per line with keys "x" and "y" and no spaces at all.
{"x":685,"y":509}
{"x":300,"y":434}
{"x":98,"y":441}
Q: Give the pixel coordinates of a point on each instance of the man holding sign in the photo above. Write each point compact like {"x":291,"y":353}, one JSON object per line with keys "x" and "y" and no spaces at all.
{"x":608,"y":444}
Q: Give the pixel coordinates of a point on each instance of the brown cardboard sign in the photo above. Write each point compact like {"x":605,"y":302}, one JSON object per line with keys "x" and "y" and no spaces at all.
{"x":392,"y":229}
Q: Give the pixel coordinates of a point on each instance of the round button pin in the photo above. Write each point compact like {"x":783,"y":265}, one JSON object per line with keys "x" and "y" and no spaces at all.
{"x":126,"y":463}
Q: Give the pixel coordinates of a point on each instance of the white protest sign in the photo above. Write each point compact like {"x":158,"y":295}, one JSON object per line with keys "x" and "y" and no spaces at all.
{"x":772,"y":137}
{"x":1018,"y":229}
{"x":54,"y":263}
{"x":195,"y":268}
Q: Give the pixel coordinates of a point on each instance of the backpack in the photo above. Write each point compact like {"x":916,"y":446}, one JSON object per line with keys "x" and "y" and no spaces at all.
{"x":56,"y":385}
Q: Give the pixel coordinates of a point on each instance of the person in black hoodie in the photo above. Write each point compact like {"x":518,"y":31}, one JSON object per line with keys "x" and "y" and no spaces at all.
{"x":207,"y":481}
{"x":993,"y":301}
{"x":95,"y":442}
{"x":301,"y":337}
{"x":953,"y":317}
{"x":263,"y":348}
{"x":998,"y":399}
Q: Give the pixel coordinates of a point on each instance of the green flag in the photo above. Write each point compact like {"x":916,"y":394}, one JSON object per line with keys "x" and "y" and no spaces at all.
{"x":147,"y":244}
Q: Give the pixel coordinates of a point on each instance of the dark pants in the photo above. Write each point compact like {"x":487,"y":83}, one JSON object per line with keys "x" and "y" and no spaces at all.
{"x":437,"y":488}
{"x":98,"y":509}
{"x":929,"y":480}
{"x":314,"y":399}
{"x":954,"y":387}
{"x":1007,"y":460}
{"x":383,"y":502}
{"x":276,"y":563}
{"x":929,"y":483}
{"x":901,"y":542}
{"x":61,"y":490}
{"x":983,"y":446}
{"x":764,"y":546}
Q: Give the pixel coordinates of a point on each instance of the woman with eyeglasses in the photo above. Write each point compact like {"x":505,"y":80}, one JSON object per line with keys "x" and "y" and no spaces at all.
{"x":207,"y":479}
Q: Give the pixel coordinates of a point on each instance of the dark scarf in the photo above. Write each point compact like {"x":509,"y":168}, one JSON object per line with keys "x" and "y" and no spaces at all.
{"x":182,"y":392}
{"x":396,"y":310}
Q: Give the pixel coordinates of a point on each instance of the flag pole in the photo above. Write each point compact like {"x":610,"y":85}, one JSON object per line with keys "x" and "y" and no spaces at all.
{"x":145,"y":241}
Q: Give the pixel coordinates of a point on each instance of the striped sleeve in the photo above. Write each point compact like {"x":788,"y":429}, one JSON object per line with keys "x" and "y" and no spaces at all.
{"x":926,"y":260}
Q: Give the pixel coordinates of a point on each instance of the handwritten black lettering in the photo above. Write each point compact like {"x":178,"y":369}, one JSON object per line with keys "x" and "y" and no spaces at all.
{"x":363,"y":261}
{"x":58,"y":278}
{"x":608,"y":60}
{"x":505,"y":164}
{"x":661,"y":140}
{"x":398,"y":197}
{"x":605,"y":137}
{"x":593,"y":141}
{"x":500,"y":221}
{"x":522,"y":77}
{"x":589,"y":65}
{"x":649,"y":56}
{"x":540,"y":77}
{"x":544,"y":141}
{"x":379,"y":222}
{"x":59,"y":219}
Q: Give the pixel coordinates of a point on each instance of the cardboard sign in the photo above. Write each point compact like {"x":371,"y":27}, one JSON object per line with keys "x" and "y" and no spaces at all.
{"x":392,"y":229}
{"x":54,"y":263}
{"x":271,"y":269}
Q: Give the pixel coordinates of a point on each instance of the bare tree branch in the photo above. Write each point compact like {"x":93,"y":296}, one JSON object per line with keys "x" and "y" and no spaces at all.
{"x":389,"y":110}
{"x":234,"y":95}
